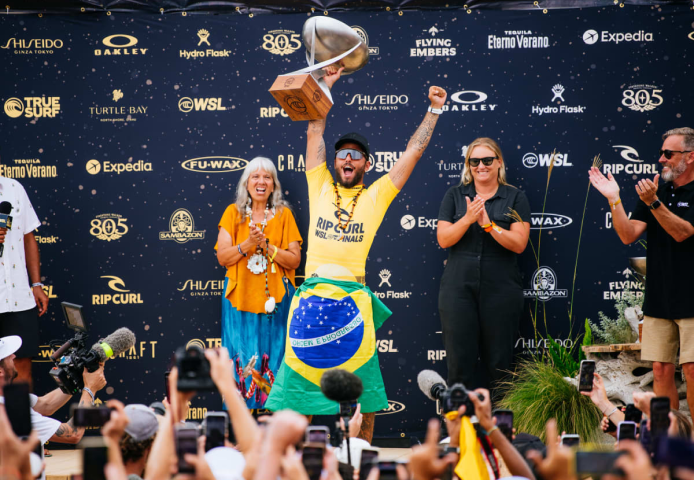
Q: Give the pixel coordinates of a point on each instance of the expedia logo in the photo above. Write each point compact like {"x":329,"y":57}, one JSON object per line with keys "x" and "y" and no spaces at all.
{"x":33,"y":46}
{"x":591,"y":37}
{"x":203,"y":288}
{"x":187,"y":104}
{"x":28,"y":168}
{"x":548,"y":221}
{"x":120,"y":45}
{"x":95,"y":166}
{"x":408,"y":222}
{"x":109,"y":226}
{"x":182,"y":228}
{"x":365,"y":39}
{"x":123,"y":296}
{"x":393,"y":407}
{"x":384,"y":161}
{"x":214,"y":164}
{"x":281,"y":42}
{"x":32,"y":107}
{"x":204,"y":343}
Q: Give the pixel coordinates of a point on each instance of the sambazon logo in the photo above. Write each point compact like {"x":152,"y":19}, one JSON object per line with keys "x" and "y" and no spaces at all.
{"x":516,"y":40}
{"x":558,"y":95}
{"x":383,"y":161}
{"x":203,"y":36}
{"x":393,"y":407}
{"x":408,"y":222}
{"x":378,"y":102}
{"x":123,"y":296}
{"x":544,"y":286}
{"x":187,"y":104}
{"x":532,"y":160}
{"x":95,"y":166}
{"x":642,"y":98}
{"x":28,"y":168}
{"x":214,"y":164}
{"x":636,"y":165}
{"x":294,"y":163}
{"x":202,"y":288}
{"x":32,"y":107}
{"x":120,"y":45}
{"x":385,"y":275}
{"x":548,"y":221}
{"x":469,"y":101}
{"x":365,"y":38}
{"x":433,"y":47}
{"x":182,"y":228}
{"x":32,"y":46}
{"x":591,"y":37}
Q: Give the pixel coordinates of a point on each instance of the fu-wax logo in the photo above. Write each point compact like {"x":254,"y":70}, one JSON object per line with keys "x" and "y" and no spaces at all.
{"x":214,"y":164}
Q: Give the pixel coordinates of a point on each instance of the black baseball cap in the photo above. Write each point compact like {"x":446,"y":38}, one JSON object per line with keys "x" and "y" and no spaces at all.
{"x":354,"y":137}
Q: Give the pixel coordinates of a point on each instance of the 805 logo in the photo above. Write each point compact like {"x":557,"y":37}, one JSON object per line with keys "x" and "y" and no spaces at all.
{"x":281,"y":42}
{"x":109,"y":226}
{"x":642,"y":98}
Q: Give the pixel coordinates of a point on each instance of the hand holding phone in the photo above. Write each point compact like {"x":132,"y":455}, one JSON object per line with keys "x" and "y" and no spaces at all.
{"x":90,"y":416}
{"x":570,"y":440}
{"x":504,"y":420}
{"x":369,"y":460}
{"x":18,"y":407}
{"x":312,"y":459}
{"x":626,"y":431}
{"x":94,"y":458}
{"x":660,"y":420}
{"x":586,"y":375}
{"x":317,"y":434}
{"x":216,"y":429}
{"x":186,"y":442}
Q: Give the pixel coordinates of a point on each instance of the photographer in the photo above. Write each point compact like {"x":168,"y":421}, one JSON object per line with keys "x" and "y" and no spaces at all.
{"x":48,"y":428}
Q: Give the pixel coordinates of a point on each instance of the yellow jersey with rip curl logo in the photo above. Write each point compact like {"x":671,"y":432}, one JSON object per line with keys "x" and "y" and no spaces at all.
{"x":331,"y":252}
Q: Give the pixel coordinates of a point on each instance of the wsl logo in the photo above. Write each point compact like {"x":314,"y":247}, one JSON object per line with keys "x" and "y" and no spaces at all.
{"x":187,"y":104}
{"x":544,"y":286}
{"x":123,"y":296}
{"x":214,"y":164}
{"x":182,"y":228}
{"x":532,"y":160}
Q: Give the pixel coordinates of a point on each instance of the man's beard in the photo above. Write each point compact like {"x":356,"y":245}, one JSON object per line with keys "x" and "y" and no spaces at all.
{"x":673,"y":173}
{"x":356,"y":179}
{"x":10,"y":375}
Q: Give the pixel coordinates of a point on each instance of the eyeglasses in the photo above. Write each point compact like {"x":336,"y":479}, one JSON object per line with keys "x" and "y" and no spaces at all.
{"x":474,"y":162}
{"x":355,"y":154}
{"x":669,"y":153}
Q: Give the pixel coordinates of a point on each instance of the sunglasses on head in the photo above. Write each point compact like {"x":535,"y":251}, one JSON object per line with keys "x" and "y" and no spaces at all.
{"x":486,"y":160}
{"x":669,"y":153}
{"x":355,"y":154}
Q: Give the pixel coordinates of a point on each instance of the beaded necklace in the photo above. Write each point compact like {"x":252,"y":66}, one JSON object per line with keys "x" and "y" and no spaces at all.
{"x":351,"y":213}
{"x":258,"y":262}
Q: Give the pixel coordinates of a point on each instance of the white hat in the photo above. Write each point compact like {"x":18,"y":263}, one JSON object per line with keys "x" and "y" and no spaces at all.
{"x":9,"y":345}
{"x":226,"y":463}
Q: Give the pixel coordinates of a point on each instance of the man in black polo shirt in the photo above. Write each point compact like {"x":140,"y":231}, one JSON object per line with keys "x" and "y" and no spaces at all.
{"x":666,"y":212}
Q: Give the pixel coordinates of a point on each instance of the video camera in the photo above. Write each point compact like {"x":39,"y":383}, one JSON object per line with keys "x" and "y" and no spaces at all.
{"x":74,"y":356}
{"x":449,"y":399}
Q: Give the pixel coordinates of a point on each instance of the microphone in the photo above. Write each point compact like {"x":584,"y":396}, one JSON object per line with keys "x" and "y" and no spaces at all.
{"x":113,"y":345}
{"x":431,"y":384}
{"x":341,"y":386}
{"x":5,"y":220}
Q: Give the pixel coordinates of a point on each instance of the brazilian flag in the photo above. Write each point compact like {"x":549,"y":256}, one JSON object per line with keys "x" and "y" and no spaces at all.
{"x":332,"y":324}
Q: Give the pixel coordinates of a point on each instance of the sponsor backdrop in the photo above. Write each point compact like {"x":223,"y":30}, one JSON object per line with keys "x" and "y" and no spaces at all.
{"x":130,"y":133}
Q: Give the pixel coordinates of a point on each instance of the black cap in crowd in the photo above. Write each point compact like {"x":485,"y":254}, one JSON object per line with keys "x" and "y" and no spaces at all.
{"x":354,"y":137}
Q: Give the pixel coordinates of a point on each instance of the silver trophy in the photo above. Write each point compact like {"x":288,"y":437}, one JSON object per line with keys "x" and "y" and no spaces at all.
{"x":303,"y":94}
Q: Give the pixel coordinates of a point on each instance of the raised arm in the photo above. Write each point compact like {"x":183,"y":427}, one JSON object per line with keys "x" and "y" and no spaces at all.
{"x":419,"y":141}
{"x":678,"y":228}
{"x":315,"y":144}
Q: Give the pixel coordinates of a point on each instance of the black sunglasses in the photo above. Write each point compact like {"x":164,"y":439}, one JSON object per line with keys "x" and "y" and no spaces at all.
{"x":669,"y":153}
{"x":474,"y":162}
{"x":355,"y":154}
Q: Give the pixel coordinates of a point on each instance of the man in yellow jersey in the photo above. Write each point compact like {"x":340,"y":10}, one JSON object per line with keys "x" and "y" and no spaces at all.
{"x":334,"y":317}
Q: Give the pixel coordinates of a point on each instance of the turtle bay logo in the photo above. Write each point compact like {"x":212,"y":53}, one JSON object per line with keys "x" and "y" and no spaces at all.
{"x":558,"y":96}
{"x":520,"y":39}
{"x":119,"y":112}
{"x":642,"y":98}
{"x":378,"y":102}
{"x":109,"y":226}
{"x":182,"y":228}
{"x":365,"y":39}
{"x":433,"y":47}
{"x":548,"y":221}
{"x":122,"y":295}
{"x":203,"y":39}
{"x":187,"y":104}
{"x":120,"y":44}
{"x":32,"y":46}
{"x":591,"y":37}
{"x":532,"y":160}
{"x":383,"y":161}
{"x":393,"y":407}
{"x":28,"y":168}
{"x":214,"y":164}
{"x":281,"y":42}
{"x":385,"y":275}
{"x":32,"y":107}
{"x":202,"y":288}
{"x":95,"y":166}
{"x":544,"y":286}
{"x":469,"y":101}
{"x":635,"y":165}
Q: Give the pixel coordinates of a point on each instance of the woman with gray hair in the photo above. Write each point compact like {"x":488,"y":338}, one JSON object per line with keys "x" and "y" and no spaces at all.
{"x":260,"y":246}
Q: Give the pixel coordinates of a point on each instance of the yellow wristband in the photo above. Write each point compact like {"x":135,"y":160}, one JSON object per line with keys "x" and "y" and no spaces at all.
{"x":497,"y":228}
{"x":617,"y":202}
{"x":272,"y":259}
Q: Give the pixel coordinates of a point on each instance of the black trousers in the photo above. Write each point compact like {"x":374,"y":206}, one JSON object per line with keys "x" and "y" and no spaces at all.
{"x":480,"y":303}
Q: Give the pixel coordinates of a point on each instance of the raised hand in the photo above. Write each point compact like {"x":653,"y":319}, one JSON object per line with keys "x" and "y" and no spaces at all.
{"x":647,"y":190}
{"x":474,"y":210}
{"x":606,"y":186}
{"x":332,"y":74}
{"x":437,"y":96}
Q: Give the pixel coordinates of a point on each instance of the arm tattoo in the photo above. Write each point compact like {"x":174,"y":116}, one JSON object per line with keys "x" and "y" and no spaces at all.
{"x":316,"y":125}
{"x":321,"y":151}
{"x":68,"y":430}
{"x":421,"y":137}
